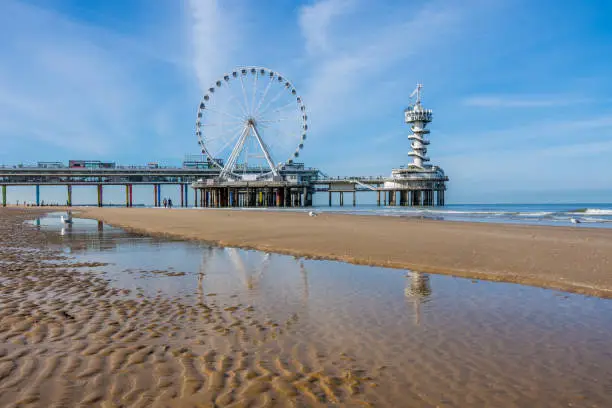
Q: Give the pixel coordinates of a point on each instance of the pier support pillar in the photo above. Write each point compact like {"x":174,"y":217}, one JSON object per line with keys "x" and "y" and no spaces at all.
{"x":341,"y":199}
{"x":354,"y":198}
{"x":378,"y":199}
{"x":4,"y":195}
{"x":127,"y":195}
{"x":182,"y":195}
{"x":159,"y":201}
{"x":131,"y":195}
{"x":69,"y":195}
{"x":100,"y":197}
{"x":384,"y":194}
{"x":330,"y":198}
{"x":186,"y":189}
{"x":155,"y":204}
{"x":38,"y":195}
{"x":305,"y":197}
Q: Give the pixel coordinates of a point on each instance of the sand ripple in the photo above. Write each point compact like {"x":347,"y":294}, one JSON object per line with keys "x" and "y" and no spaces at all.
{"x":67,"y":338}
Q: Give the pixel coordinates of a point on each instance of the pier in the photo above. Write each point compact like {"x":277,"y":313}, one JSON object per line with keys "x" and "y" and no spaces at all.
{"x":235,"y":178}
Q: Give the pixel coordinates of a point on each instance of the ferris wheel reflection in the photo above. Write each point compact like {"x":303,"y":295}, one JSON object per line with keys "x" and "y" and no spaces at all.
{"x":250,"y":267}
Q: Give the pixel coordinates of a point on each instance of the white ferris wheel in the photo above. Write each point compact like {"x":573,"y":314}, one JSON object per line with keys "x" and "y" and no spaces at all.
{"x":251,"y":124}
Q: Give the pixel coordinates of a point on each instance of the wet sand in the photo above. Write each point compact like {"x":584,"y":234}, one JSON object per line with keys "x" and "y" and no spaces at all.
{"x":573,"y":259}
{"x":68,"y":338}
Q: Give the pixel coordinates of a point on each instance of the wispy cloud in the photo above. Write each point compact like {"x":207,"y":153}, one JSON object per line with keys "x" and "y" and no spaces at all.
{"x":523,"y":101}
{"x":214,"y":36}
{"x":315,"y":20}
{"x":349,"y":71}
{"x":68,"y":85}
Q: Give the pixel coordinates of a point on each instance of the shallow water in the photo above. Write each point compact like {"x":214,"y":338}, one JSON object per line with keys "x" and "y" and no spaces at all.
{"x":430,"y":340}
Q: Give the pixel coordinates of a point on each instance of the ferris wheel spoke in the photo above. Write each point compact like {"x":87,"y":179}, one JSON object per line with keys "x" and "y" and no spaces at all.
{"x":274,"y":120}
{"x":224,"y":113}
{"x":238,"y":102}
{"x":254,"y":92}
{"x":291,"y":104}
{"x":264,"y":95}
{"x":224,"y":134}
{"x":246,"y":104}
{"x":221,"y":123}
{"x":278,"y":95}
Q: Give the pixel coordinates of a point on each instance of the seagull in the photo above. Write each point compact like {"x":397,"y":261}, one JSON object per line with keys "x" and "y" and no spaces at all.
{"x":67,"y":220}
{"x":312,"y":214}
{"x":575,"y":221}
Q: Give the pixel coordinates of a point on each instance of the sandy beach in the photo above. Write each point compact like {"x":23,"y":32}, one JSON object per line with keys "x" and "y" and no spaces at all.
{"x":68,"y":338}
{"x":304,"y":333}
{"x":573,"y":259}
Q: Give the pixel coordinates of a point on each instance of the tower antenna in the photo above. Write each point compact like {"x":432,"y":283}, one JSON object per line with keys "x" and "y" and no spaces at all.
{"x":417,"y":92}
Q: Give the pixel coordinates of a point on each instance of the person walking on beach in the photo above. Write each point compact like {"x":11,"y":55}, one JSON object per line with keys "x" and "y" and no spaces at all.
{"x":169,"y":203}
{"x":165,"y":203}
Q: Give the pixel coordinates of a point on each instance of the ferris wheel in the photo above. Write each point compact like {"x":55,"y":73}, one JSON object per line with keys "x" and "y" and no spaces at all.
{"x":251,"y":123}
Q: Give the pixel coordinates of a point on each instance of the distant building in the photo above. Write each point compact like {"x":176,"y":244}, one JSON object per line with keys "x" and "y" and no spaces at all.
{"x":50,"y":165}
{"x":90,"y":164}
{"x":198,"y":161}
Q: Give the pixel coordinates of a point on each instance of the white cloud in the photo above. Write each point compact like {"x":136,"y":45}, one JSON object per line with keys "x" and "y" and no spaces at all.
{"x":214,"y":37}
{"x":315,"y":20}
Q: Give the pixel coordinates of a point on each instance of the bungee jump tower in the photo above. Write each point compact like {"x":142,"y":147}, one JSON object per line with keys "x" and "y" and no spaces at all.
{"x":418,"y":183}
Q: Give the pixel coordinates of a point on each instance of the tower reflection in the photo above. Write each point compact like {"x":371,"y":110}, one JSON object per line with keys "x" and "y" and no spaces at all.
{"x":418,"y":290}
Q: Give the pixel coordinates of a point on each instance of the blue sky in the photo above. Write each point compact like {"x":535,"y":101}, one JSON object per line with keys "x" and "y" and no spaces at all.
{"x":521,"y":90}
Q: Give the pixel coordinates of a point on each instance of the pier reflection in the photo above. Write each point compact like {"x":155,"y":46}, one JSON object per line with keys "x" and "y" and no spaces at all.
{"x":417,"y":291}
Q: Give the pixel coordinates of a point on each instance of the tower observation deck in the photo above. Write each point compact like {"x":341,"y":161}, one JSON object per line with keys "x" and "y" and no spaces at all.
{"x":419,"y":183}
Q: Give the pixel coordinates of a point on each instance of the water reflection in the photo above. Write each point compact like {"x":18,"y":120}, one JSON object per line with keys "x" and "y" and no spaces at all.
{"x":418,"y":290}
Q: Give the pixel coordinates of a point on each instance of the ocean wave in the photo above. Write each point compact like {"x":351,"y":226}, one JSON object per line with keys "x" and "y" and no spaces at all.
{"x":597,"y":211}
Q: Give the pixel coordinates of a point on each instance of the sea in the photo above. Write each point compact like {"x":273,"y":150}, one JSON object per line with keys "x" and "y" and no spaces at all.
{"x":580,"y":214}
